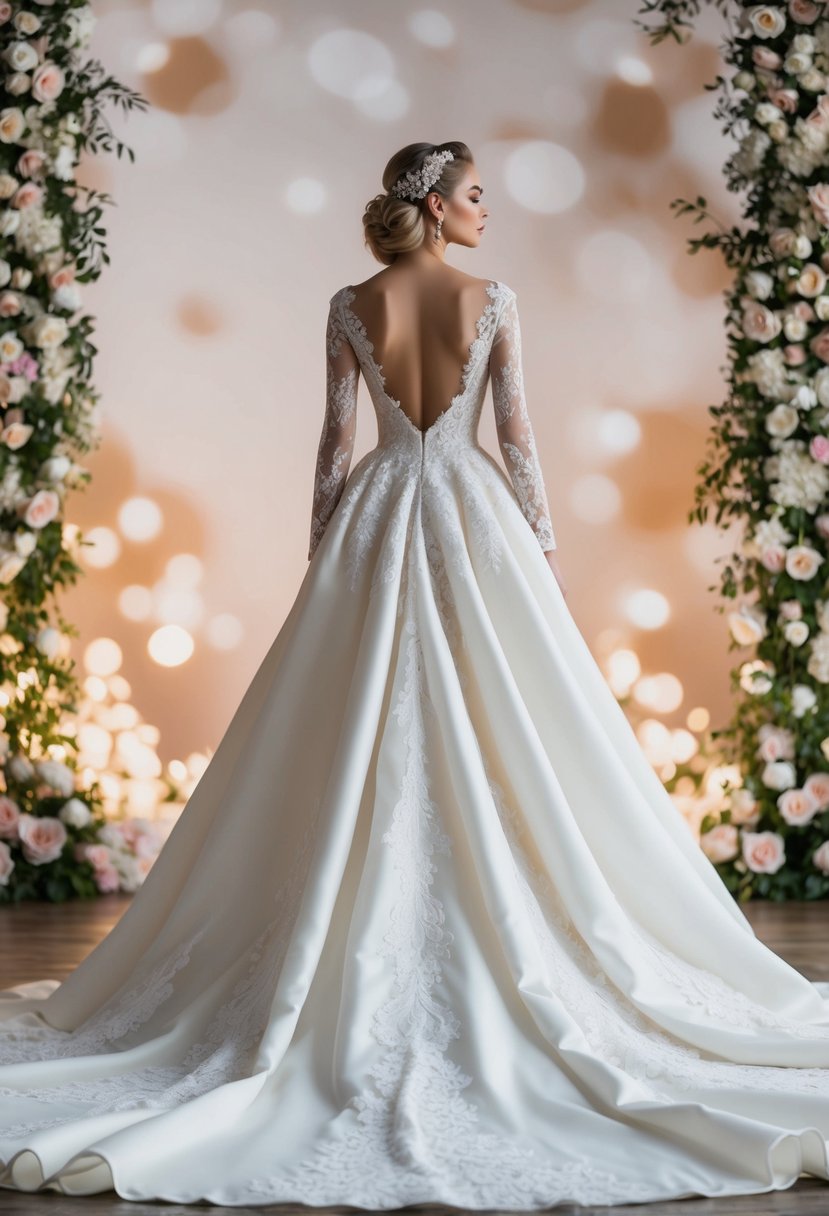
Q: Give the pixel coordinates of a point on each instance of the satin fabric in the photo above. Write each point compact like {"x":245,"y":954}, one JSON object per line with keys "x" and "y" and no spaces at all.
{"x":430,"y":929}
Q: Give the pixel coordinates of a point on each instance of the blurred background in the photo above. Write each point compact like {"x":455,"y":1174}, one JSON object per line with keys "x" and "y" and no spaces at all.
{"x":268,"y":130}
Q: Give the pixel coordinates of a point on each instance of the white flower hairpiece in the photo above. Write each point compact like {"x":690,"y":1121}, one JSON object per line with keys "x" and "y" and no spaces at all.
{"x":417,"y":184}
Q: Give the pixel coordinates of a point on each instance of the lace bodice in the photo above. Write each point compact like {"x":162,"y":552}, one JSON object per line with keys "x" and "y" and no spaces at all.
{"x":494,"y":355}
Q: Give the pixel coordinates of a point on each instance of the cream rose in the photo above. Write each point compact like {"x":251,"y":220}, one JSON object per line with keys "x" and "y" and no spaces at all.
{"x":27,"y":23}
{"x":766,"y":21}
{"x":763,"y":852}
{"x":803,"y":699}
{"x":10,"y":566}
{"x":16,"y":435}
{"x":782,"y":421}
{"x":42,"y":837}
{"x":797,"y":806}
{"x":812,"y":280}
{"x":20,"y":56}
{"x":796,"y":632}
{"x":747,"y":625}
{"x":745,"y":808}
{"x":802,"y":562}
{"x":48,"y":331}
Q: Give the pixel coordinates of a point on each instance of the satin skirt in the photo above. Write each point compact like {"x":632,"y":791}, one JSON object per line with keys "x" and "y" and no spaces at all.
{"x":429,"y":929}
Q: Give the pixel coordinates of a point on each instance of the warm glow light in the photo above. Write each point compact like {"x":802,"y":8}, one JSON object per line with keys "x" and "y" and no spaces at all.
{"x":152,"y":57}
{"x":698,"y":718}
{"x":101,"y":548}
{"x":544,"y":176}
{"x":646,"y":608}
{"x":95,"y":688}
{"x":634,"y":70}
{"x":119,"y":687}
{"x":224,"y":631}
{"x":718,"y":775}
{"x":136,"y":602}
{"x":178,"y":770}
{"x":661,"y":693}
{"x":618,"y":431}
{"x":102,"y":657}
{"x":184,"y":570}
{"x":623,"y":668}
{"x":595,"y":498}
{"x":170,"y":645}
{"x":177,"y":605}
{"x":656,"y":741}
{"x":432,"y":27}
{"x":148,"y":733}
{"x":684,"y":746}
{"x":140,"y":518}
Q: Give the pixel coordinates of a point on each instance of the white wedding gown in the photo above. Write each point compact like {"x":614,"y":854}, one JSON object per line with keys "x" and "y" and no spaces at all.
{"x":430,"y":929}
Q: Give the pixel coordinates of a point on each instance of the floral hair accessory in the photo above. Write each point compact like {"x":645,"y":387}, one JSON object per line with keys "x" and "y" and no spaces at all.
{"x":417,"y":184}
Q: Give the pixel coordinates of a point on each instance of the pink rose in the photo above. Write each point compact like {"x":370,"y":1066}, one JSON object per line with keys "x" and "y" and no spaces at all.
{"x":785,"y":99}
{"x":9,"y":307}
{"x":106,"y":879}
{"x":30,"y":162}
{"x":47,"y":82}
{"x":9,"y":817}
{"x":6,"y":864}
{"x":763,"y":57}
{"x":819,"y":448}
{"x":745,"y":808}
{"x":791,"y":610}
{"x":773,"y":557}
{"x":62,"y":276}
{"x":794,"y":354}
{"x":42,"y":837}
{"x":803,"y":309}
{"x":819,"y":345}
{"x":818,"y":786}
{"x":41,"y":509}
{"x":804,"y":12}
{"x":775,"y":743}
{"x":763,"y":852}
{"x":27,"y":195}
{"x":820,"y":857}
{"x":721,"y":843}
{"x":819,"y":202}
{"x":98,"y":855}
{"x":797,"y":806}
{"x":5,"y":12}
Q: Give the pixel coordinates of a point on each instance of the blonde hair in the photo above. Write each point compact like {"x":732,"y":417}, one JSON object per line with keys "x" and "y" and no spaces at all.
{"x":393,"y":225}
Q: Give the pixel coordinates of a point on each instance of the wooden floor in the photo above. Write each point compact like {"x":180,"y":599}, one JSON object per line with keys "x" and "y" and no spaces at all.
{"x":40,"y":941}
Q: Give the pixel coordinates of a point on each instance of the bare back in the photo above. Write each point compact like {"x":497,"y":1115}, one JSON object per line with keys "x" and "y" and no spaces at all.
{"x":421,"y":325}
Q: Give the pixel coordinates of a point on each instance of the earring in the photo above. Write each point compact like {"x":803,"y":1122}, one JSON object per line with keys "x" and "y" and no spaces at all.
{"x":438,"y":228}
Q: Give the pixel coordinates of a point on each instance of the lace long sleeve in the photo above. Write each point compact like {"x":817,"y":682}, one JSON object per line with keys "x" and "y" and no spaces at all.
{"x":339,"y":427}
{"x":515,"y":433}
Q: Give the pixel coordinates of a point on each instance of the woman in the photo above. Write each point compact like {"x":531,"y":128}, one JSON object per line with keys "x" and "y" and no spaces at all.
{"x":430,"y":929}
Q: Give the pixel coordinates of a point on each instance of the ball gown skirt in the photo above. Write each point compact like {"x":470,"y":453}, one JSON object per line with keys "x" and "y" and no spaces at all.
{"x":429,"y":929}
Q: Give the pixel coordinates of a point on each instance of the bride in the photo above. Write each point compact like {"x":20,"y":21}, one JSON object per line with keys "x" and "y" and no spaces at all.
{"x":430,"y":929}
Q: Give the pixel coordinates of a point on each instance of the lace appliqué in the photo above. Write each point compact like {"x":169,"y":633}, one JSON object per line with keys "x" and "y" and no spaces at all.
{"x":339,"y":428}
{"x":222,"y":1053}
{"x":415,"y":1134}
{"x":515,"y":433}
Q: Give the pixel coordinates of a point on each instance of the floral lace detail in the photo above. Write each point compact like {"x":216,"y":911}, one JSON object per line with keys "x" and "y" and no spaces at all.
{"x":414,"y":1134}
{"x":617,"y":1031}
{"x":223,"y":1052}
{"x":515,"y":433}
{"x":339,"y":427}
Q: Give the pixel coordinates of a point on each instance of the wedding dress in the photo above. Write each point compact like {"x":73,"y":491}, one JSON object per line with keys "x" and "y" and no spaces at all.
{"x":430,"y":929}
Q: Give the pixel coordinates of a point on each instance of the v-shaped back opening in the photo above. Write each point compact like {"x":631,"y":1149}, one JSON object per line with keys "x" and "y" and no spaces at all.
{"x":363,"y":344}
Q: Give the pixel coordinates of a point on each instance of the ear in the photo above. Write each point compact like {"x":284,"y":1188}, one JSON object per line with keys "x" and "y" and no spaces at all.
{"x":434,"y":204}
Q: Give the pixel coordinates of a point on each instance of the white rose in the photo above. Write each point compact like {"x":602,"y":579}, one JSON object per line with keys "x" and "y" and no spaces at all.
{"x":759,"y":284}
{"x":802,"y":246}
{"x":67,"y":296}
{"x":21,"y":56}
{"x":820,"y":857}
{"x":75,"y":813}
{"x":21,"y":277}
{"x":797,"y":63}
{"x":782,"y":421}
{"x":747,"y":625}
{"x":25,"y":543}
{"x":779,"y":775}
{"x":18,"y":83}
{"x":27,"y":23}
{"x":766,"y":112}
{"x":20,"y":767}
{"x":803,"y":699}
{"x":821,"y":307}
{"x":804,"y":42}
{"x":10,"y":566}
{"x":7,"y":864}
{"x":9,"y":221}
{"x":55,"y":468}
{"x":48,"y":330}
{"x":59,"y":776}
{"x":48,"y":641}
{"x":796,"y":632}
